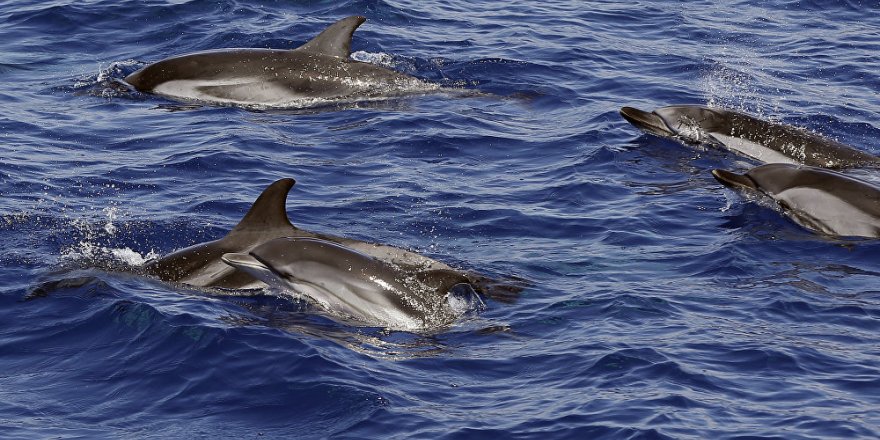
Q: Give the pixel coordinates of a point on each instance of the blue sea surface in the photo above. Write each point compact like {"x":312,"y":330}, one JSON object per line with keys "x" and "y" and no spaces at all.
{"x":657,"y":304}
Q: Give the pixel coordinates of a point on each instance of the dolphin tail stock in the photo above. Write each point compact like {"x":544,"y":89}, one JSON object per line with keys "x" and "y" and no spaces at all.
{"x":646,"y":121}
{"x":336,"y":39}
{"x":733,"y":180}
{"x":269,"y":211}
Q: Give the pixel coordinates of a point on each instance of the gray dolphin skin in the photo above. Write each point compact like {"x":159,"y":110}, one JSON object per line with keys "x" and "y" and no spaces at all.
{"x":767,"y":142}
{"x":316,"y":73}
{"x":352,"y":285}
{"x":201,"y":265}
{"x":823,"y":201}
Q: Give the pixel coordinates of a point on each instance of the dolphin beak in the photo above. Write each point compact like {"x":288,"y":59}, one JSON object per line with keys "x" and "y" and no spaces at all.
{"x":733,"y":180}
{"x":646,"y":121}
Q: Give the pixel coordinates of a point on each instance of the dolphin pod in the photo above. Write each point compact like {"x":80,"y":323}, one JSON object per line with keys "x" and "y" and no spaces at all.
{"x":318,"y":72}
{"x":823,"y":201}
{"x":379,"y":284}
{"x":353,"y":285}
{"x":764,"y":141}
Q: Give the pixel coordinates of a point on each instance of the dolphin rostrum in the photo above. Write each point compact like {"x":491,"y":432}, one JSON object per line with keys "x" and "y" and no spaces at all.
{"x":316,"y":73}
{"x":820,"y":200}
{"x":353,"y":285}
{"x":764,"y":141}
{"x":201,"y":265}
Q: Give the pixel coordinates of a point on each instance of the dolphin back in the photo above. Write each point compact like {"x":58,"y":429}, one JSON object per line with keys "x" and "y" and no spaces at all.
{"x":800,"y":144}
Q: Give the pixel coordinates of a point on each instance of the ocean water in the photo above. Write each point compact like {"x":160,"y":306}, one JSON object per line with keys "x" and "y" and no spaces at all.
{"x":657,"y":304}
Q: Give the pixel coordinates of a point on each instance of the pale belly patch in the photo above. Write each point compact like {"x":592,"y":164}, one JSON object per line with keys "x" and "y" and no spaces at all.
{"x":752,"y":149}
{"x":239,"y":92}
{"x":827,"y":213}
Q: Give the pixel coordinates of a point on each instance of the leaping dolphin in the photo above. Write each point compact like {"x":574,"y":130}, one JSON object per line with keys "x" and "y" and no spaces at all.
{"x":316,"y":73}
{"x":355,"y":286}
{"x":767,"y":142}
{"x":201,"y":265}
{"x":820,"y":200}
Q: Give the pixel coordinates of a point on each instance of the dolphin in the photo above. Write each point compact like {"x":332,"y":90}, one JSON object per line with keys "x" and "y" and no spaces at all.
{"x":318,"y":72}
{"x":823,"y":201}
{"x":355,"y":286}
{"x":767,"y":142}
{"x":201,"y":265}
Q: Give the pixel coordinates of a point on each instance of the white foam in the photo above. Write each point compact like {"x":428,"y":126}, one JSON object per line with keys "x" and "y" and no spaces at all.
{"x":381,"y":58}
{"x":88,"y":251}
{"x":113,"y":70}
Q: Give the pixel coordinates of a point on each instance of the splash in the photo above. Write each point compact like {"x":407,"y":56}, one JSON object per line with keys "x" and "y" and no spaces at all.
{"x":727,"y":87}
{"x":691,"y":130}
{"x":739,"y":75}
{"x":381,"y":58}
{"x":440,"y":309}
{"x":107,"y":82}
{"x":104,"y":256}
{"x":88,"y":250}
{"x":111,"y":213}
{"x":463,"y":300}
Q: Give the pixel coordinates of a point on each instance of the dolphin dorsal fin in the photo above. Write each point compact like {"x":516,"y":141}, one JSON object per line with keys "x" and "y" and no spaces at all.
{"x":269,"y":211}
{"x":336,"y":39}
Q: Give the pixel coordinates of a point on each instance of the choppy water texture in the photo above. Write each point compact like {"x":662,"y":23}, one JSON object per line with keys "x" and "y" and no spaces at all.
{"x":659,"y":305}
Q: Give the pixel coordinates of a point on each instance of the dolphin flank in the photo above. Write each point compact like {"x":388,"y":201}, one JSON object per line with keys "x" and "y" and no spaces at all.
{"x":352,"y":285}
{"x":764,"y":141}
{"x":820,"y":200}
{"x":318,"y":72}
